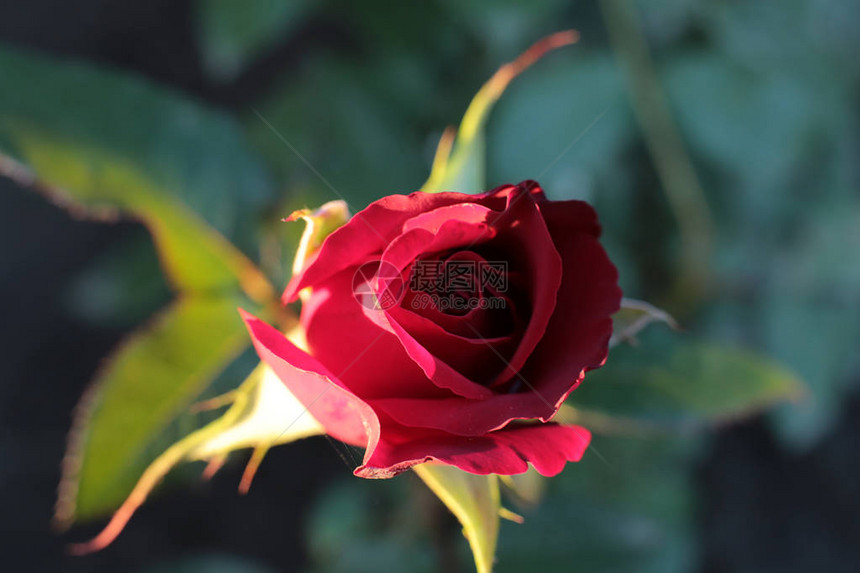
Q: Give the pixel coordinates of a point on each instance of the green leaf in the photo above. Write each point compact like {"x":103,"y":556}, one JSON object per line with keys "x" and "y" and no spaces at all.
{"x":474,"y":500}
{"x":191,"y":151}
{"x":775,"y":137}
{"x":679,"y":384}
{"x":144,"y":385}
{"x":460,"y":161}
{"x":104,"y":144}
{"x":263,"y":413}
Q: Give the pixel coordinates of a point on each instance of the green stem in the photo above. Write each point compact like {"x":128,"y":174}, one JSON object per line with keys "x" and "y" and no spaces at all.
{"x":674,"y":167}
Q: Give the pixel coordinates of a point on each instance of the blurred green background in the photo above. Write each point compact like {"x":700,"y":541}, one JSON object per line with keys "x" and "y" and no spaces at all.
{"x":753,"y":104}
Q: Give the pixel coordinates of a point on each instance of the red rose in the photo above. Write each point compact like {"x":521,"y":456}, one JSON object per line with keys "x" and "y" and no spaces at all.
{"x":486,"y":312}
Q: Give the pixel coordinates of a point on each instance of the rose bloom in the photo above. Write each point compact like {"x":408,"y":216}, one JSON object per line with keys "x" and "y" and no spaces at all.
{"x":465,"y":383}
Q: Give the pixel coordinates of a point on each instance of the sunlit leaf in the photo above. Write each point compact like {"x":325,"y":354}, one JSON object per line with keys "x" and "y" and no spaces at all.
{"x":140,"y":390}
{"x":474,"y":500}
{"x":193,"y":152}
{"x":460,"y":162}
{"x":266,"y":415}
{"x":263,"y":413}
{"x":195,"y":257}
{"x":106,"y":145}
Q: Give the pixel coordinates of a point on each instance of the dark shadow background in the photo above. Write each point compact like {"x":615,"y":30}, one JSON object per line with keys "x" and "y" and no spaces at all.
{"x":763,"y":507}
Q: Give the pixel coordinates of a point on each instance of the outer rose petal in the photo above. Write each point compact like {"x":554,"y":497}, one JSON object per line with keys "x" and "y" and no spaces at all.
{"x":547,"y":447}
{"x":347,"y":418}
{"x":343,"y":415}
{"x":465,"y":417}
{"x":367,"y":234}
{"x":369,"y":231}
{"x":577,"y":337}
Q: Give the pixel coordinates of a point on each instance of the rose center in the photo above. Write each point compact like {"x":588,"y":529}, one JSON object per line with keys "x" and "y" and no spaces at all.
{"x":456,"y":283}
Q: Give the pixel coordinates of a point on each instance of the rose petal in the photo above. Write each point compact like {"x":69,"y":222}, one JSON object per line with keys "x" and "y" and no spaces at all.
{"x":437,"y":370}
{"x":524,"y":236}
{"x":341,"y":337}
{"x":432,"y":221}
{"x":529,"y":185}
{"x":431,"y":232}
{"x":575,"y":341}
{"x":428,"y":233}
{"x":343,"y":415}
{"x":468,"y":417}
{"x":477,"y":324}
{"x":369,"y":231}
{"x":417,"y":240}
{"x":477,"y":359}
{"x":577,"y":337}
{"x":547,"y":447}
{"x":349,"y":419}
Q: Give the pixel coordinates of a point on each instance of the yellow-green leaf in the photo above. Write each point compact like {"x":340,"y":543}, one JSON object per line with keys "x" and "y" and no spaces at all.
{"x":263,"y":413}
{"x":460,"y":160}
{"x":152,"y":377}
{"x":104,"y":144}
{"x":474,"y":500}
{"x":194,"y":256}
